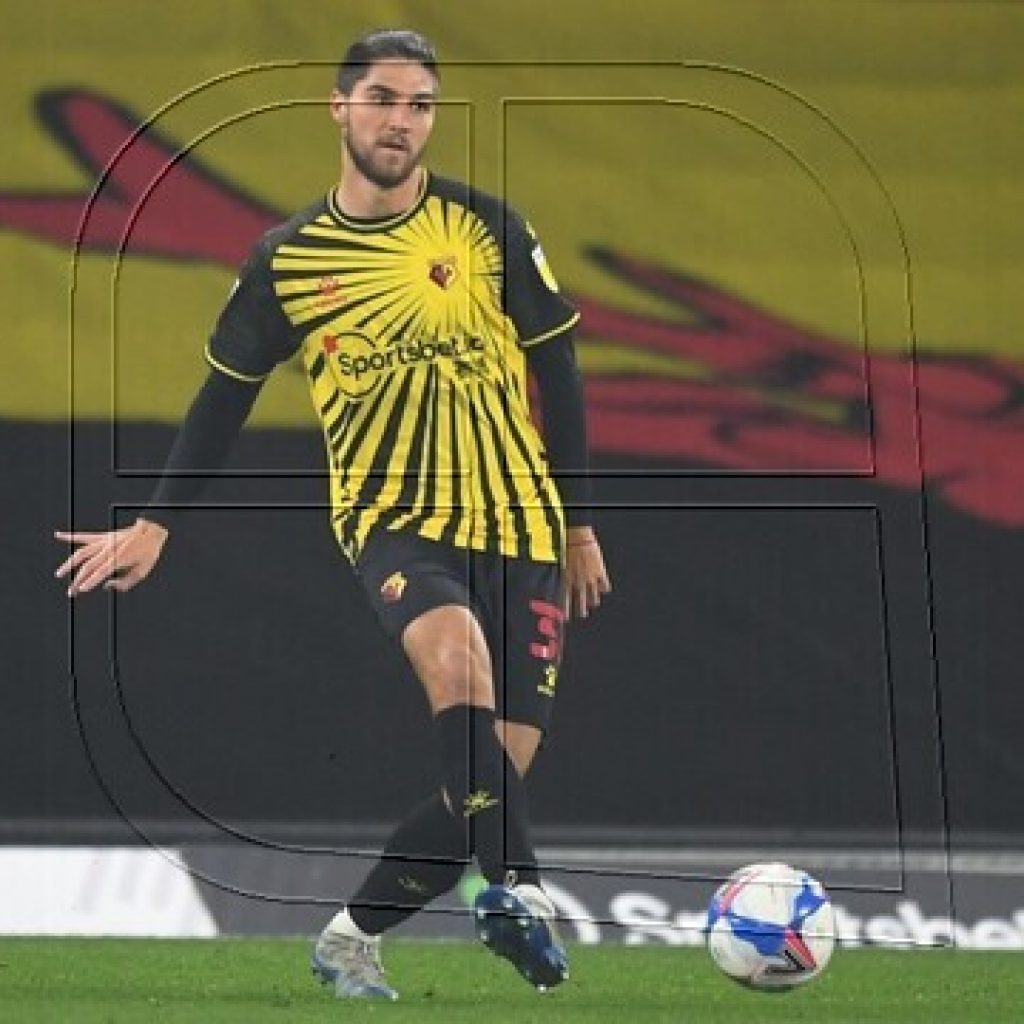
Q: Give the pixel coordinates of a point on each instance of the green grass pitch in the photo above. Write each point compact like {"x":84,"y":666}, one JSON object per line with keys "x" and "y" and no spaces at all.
{"x":105,"y":981}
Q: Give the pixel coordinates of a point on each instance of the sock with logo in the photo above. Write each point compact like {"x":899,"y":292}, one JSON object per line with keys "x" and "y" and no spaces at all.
{"x":486,"y":793}
{"x":423,"y":859}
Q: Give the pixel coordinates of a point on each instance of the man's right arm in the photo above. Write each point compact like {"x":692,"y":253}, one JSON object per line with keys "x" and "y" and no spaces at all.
{"x":251,"y":337}
{"x":213,"y":422}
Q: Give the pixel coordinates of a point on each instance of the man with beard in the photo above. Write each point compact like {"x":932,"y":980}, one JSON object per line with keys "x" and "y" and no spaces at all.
{"x":417,"y":304}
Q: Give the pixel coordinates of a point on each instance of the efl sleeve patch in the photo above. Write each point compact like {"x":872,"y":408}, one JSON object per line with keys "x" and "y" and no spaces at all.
{"x":541,"y":263}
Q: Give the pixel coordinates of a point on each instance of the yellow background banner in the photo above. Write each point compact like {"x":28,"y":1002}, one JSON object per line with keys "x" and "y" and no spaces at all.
{"x":790,"y":153}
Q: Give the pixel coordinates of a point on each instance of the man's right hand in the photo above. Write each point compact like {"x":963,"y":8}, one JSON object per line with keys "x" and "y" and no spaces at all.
{"x":118,"y":558}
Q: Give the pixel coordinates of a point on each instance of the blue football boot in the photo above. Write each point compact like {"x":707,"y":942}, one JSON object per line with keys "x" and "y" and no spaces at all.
{"x":518,"y":924}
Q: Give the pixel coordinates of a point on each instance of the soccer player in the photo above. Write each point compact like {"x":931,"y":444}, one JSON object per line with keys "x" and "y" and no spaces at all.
{"x":417,"y":304}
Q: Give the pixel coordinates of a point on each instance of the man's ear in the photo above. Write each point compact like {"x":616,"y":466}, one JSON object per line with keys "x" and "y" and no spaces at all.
{"x":339,"y":108}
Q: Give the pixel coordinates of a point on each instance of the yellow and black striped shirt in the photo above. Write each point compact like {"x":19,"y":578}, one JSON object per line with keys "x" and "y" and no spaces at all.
{"x":412,"y":331}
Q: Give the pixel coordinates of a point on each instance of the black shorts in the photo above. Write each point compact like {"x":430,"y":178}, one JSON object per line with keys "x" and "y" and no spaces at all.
{"x":516,"y":601}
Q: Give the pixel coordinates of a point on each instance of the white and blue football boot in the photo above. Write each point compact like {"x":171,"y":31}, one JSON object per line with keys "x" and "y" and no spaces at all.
{"x":348,"y":960}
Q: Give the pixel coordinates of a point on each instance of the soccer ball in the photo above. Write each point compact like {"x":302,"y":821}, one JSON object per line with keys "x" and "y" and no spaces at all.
{"x":771,"y":927}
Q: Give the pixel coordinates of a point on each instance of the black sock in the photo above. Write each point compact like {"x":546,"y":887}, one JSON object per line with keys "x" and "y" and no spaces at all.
{"x":486,"y":792}
{"x":519,"y":854}
{"x":423,"y":859}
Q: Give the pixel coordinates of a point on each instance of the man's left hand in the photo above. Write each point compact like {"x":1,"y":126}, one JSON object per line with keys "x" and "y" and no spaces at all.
{"x":586,"y":578}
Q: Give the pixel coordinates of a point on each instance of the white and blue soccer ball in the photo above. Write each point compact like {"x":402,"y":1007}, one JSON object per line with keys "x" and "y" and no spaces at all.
{"x":770,"y":926}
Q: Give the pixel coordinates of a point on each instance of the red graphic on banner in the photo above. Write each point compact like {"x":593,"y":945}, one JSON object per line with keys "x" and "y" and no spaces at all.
{"x":772,"y":396}
{"x":725,"y":386}
{"x":155,"y":199}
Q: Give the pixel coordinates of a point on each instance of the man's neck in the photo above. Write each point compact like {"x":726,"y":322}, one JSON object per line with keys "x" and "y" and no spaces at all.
{"x":359,"y":197}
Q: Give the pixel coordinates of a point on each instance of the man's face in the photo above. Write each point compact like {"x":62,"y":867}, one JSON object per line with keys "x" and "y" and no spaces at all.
{"x":387,"y":119}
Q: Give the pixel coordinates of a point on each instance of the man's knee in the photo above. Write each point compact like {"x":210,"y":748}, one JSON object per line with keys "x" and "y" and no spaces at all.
{"x":449,"y":654}
{"x":458,"y":674}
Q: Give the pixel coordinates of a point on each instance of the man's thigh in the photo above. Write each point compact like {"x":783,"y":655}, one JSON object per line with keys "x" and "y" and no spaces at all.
{"x":516,"y":601}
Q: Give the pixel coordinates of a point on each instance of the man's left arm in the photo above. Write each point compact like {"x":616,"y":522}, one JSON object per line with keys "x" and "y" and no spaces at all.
{"x":553,"y":364}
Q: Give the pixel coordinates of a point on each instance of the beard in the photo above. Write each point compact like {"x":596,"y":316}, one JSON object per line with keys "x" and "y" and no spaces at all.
{"x":371,"y":167}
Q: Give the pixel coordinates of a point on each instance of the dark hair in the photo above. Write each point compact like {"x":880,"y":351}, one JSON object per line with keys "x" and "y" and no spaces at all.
{"x":382,"y":44}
